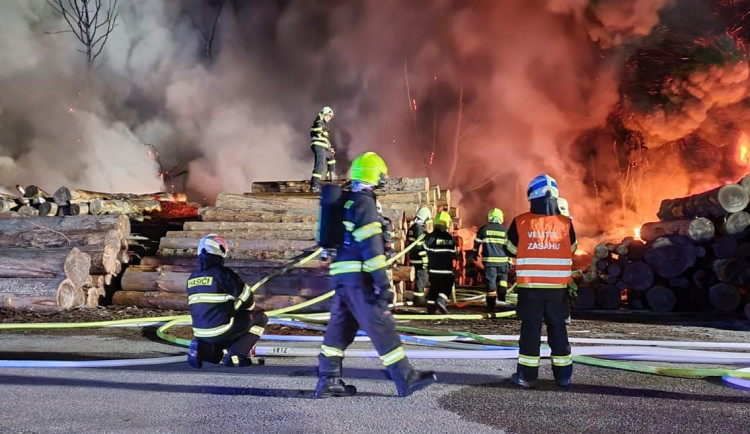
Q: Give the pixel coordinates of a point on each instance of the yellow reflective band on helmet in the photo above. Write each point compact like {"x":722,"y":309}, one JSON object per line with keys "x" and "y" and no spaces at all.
{"x":209,"y":298}
{"x":367,"y":231}
{"x":374,"y":264}
{"x":327,"y":351}
{"x":562,"y":360}
{"x":212,"y":332}
{"x":532,"y":361}
{"x":257,"y":330}
{"x":393,"y":357}
{"x":345,"y":267}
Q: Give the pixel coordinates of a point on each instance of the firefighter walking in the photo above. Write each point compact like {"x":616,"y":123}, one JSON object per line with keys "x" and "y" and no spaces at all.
{"x":362,"y":290}
{"x":492,"y":238}
{"x":417,"y":255}
{"x":441,"y":254}
{"x":226,"y":324}
{"x":320,"y":143}
{"x":543,"y":242}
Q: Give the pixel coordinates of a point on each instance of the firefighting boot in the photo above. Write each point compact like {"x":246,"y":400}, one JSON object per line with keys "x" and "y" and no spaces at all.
{"x":194,"y":355}
{"x":329,"y":386}
{"x":407,"y":379}
{"x":490,"y":300}
{"x":232,"y":359}
{"x":519,"y":380}
{"x":440,"y":304}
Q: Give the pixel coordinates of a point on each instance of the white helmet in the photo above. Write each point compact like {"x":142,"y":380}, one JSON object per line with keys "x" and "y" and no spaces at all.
{"x":379,"y":207}
{"x":424,"y":214}
{"x":327,"y":111}
{"x":562,"y":205}
{"x":541,"y":185}
{"x":214,"y":245}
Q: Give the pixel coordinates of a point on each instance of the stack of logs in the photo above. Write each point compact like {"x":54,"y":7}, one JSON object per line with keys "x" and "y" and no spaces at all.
{"x":695,"y":258}
{"x":69,"y":201}
{"x":53,"y":263}
{"x":267,"y":229}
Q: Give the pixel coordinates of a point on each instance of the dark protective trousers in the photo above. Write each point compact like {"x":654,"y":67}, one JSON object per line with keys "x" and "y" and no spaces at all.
{"x":355,"y":307}
{"x":441,"y":286}
{"x":420,"y":281}
{"x":323,"y":160}
{"x":247,"y":328}
{"x":496,"y":277}
{"x":551,"y":307}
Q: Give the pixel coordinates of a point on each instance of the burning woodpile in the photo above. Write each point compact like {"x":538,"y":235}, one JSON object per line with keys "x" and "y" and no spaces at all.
{"x":696,"y":257}
{"x":64,"y":250}
{"x":266,"y":229}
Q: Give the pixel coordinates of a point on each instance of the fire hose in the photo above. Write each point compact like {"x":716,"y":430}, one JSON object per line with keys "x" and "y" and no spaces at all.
{"x":488,"y":348}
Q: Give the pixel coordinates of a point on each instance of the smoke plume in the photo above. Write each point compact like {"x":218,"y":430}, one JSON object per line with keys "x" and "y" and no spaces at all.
{"x":479,"y":96}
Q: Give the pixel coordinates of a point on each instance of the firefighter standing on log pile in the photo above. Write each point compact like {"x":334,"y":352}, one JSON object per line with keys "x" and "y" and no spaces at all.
{"x":441,"y":254}
{"x":543,"y":242}
{"x":226,"y":324}
{"x":358,"y":274}
{"x":320,"y":143}
{"x":492,"y":238}
{"x":417,"y":256}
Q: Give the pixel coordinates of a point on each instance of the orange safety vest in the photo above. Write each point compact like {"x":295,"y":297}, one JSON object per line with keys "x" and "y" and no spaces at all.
{"x":544,"y":257}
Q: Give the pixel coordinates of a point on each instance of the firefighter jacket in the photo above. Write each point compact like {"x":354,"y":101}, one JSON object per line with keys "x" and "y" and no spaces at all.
{"x":441,"y":251}
{"x":492,"y":237}
{"x":215,"y":294}
{"x":387,"y":237}
{"x":543,"y":242}
{"x":417,"y":253}
{"x":319,"y":133}
{"x":363,"y":251}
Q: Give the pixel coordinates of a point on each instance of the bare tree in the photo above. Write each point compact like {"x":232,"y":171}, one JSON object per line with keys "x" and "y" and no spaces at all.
{"x":88,"y":22}
{"x":208,"y":36}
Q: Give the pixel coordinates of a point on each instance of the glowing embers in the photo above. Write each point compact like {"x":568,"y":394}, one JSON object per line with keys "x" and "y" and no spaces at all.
{"x":743,"y":153}
{"x":637,"y":233}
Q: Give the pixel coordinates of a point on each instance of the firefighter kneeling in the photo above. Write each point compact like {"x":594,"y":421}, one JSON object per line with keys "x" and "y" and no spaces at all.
{"x":226,"y":324}
{"x":358,"y":273}
{"x":543,"y":242}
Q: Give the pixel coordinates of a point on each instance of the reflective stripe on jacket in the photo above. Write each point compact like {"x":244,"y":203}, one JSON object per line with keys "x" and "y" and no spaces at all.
{"x":543,"y":254}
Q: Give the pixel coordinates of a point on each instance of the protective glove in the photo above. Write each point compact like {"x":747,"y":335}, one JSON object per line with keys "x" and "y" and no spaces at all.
{"x":572,"y":294}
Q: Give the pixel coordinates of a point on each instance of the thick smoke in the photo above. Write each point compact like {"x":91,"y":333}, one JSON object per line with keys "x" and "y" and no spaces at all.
{"x":480,"y":96}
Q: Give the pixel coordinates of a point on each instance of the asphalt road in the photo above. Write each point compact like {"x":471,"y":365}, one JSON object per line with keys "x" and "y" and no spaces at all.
{"x":471,"y":396}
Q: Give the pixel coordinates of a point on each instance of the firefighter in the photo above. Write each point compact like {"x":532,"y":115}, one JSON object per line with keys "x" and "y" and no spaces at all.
{"x":441,"y":253}
{"x":460,"y":257}
{"x":491,"y":238}
{"x":320,"y":143}
{"x":226,"y":323}
{"x":417,"y":255}
{"x":390,"y":252}
{"x":362,"y":291}
{"x":543,"y":242}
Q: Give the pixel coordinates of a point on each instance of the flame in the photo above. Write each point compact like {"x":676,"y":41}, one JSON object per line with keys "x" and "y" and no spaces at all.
{"x":743,"y":143}
{"x":637,"y":232}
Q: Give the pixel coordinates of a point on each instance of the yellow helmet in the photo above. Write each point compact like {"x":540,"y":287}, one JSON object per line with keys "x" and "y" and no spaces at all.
{"x":495,"y":215}
{"x":368,"y":168}
{"x":443,"y":219}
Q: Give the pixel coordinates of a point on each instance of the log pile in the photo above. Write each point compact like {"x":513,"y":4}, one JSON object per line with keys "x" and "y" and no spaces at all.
{"x":34,"y":201}
{"x":266,"y":229}
{"x":696,"y":257}
{"x":60,"y":263}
